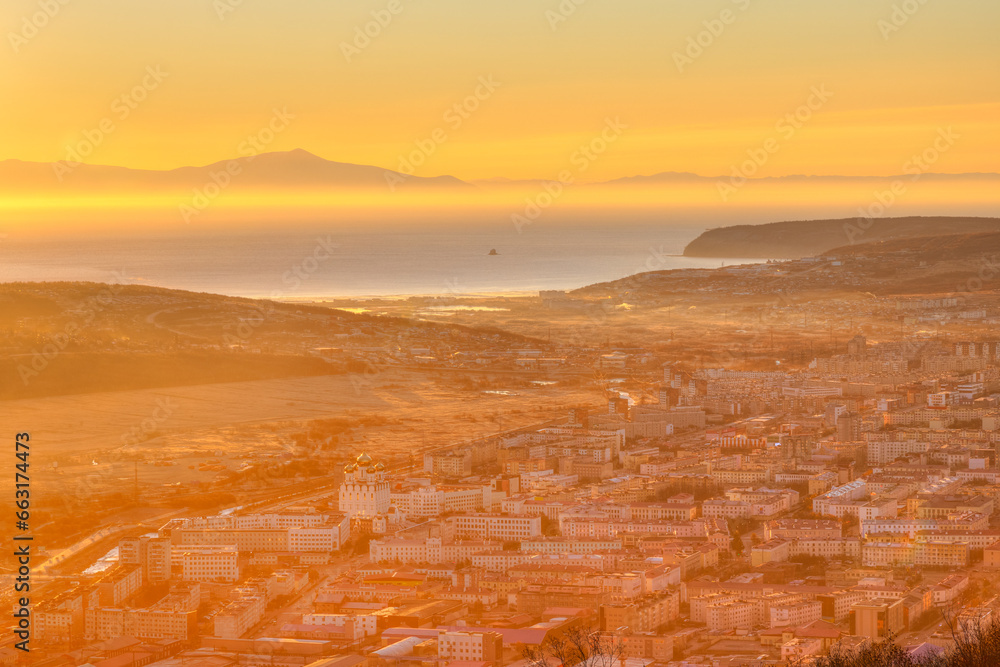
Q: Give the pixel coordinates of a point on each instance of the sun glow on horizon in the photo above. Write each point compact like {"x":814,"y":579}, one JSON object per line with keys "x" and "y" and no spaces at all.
{"x":506,"y":91}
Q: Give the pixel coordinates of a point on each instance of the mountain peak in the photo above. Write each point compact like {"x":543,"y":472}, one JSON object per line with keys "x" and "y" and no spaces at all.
{"x":303,"y":153}
{"x":294,"y":155}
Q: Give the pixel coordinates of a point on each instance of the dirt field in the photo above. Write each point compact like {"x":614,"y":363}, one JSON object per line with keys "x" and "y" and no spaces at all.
{"x":206,"y":430}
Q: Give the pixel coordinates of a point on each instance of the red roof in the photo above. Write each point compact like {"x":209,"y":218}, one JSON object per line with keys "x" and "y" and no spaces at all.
{"x":818,"y":629}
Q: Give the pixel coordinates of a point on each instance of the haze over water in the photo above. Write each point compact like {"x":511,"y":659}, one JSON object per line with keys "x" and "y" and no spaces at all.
{"x":443,"y":261}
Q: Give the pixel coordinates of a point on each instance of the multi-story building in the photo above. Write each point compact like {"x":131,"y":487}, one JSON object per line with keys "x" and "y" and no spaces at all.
{"x":942,"y":553}
{"x":877,"y":618}
{"x":775,"y":550}
{"x":887,"y":554}
{"x":496,"y":526}
{"x":365,"y":490}
{"x":836,"y":606}
{"x":795,"y":614}
{"x":425,"y":550}
{"x":119,"y":584}
{"x":263,"y":532}
{"x":211,"y":564}
{"x":725,"y":616}
{"x":430,"y":500}
{"x":456,"y":646}
{"x":807,"y":529}
{"x":151,"y":554}
{"x":356,"y":625}
{"x":853,"y":499}
{"x":836,"y":548}
{"x":112,"y":622}
{"x":725,"y":509}
{"x":940,"y":507}
{"x":451,"y":463}
{"x":644,"y":614}
{"x":742,"y":476}
{"x":886,"y":451}
{"x":237,"y":617}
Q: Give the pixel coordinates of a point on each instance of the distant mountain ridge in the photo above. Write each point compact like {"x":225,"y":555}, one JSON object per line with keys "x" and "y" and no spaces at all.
{"x":804,"y":238}
{"x":689,"y":177}
{"x":300,"y":168}
{"x":280,"y":169}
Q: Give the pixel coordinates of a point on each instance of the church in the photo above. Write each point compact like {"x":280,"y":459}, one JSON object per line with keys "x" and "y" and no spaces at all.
{"x":365,"y":491}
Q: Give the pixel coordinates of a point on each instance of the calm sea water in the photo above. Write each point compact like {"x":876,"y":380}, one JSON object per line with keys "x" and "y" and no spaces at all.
{"x":317,"y":262}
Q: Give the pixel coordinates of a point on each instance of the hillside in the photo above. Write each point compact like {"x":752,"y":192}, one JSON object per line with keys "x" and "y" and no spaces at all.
{"x":67,"y":338}
{"x":806,"y":238}
{"x":939,"y":248}
{"x":941,"y":264}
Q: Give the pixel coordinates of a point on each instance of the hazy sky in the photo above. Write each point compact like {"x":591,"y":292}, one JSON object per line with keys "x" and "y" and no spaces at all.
{"x":230,"y":63}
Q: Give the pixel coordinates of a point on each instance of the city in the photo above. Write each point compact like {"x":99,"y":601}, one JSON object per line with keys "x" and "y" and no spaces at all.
{"x":698,"y":516}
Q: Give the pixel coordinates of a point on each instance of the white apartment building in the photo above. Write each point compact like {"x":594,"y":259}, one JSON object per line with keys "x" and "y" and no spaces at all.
{"x":466,"y":646}
{"x":795,"y":615}
{"x":501,"y":560}
{"x":886,"y":451}
{"x":211,"y":564}
{"x":887,"y":554}
{"x":432,"y":500}
{"x":319,"y":538}
{"x":429,"y":550}
{"x":896,"y":526}
{"x":237,"y":617}
{"x":725,"y":616}
{"x":364,"y":625}
{"x":152,"y":554}
{"x":854,"y":499}
{"x":721,"y":508}
{"x":746,"y":476}
{"x":263,"y":532}
{"x":104,"y":623}
{"x":560,"y":545}
{"x":838,"y":547}
{"x":803,"y":529}
{"x":699,"y":604}
{"x":502,"y":527}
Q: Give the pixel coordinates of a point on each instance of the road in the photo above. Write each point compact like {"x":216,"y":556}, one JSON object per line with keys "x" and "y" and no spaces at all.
{"x":303,"y":602}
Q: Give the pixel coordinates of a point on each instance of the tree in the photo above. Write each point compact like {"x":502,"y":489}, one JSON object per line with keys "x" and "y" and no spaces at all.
{"x":736,"y":545}
{"x":883,"y":653}
{"x":577,"y":646}
{"x":976,"y":644}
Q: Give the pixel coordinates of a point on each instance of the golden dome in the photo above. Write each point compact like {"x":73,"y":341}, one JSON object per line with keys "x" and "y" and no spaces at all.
{"x":379,"y":467}
{"x":364,"y":460}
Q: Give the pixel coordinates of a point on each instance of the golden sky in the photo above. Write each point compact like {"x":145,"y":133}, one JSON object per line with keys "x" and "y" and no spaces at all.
{"x":893,"y":79}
